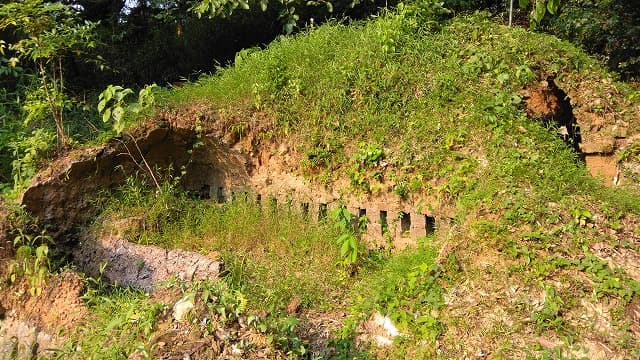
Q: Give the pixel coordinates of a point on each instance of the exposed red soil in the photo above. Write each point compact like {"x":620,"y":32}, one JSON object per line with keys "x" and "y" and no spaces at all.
{"x":604,"y":167}
{"x":543,"y":103}
{"x":59,"y":307}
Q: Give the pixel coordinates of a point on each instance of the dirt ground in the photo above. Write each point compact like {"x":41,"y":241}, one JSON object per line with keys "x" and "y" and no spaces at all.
{"x":36,"y":324}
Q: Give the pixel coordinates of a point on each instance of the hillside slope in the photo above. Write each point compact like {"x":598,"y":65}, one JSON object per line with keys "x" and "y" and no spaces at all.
{"x":466,"y":122}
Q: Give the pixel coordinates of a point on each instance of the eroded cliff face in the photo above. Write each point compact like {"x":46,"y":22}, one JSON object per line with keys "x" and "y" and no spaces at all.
{"x":213,"y":153}
{"x":216,"y":163}
{"x":63,"y":195}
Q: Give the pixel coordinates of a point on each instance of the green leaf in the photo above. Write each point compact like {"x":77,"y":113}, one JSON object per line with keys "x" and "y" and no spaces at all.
{"x":263,"y":5}
{"x":42,"y":251}
{"x":107,"y":94}
{"x":523,"y":3}
{"x":118,"y":127}
{"x":553,"y":6}
{"x":352,"y":242}
{"x":134,"y":108}
{"x":18,"y":239}
{"x":539,"y":12}
{"x":515,"y":99}
{"x":107,"y":115}
{"x":329,"y":7}
{"x":344,"y":249}
{"x":288,"y":27}
{"x":122,"y":94}
{"x":117,"y":321}
{"x":101,"y":105}
{"x":41,"y":272}
{"x":118,"y":114}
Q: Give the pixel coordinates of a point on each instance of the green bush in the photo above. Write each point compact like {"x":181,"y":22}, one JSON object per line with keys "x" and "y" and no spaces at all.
{"x":604,"y":27}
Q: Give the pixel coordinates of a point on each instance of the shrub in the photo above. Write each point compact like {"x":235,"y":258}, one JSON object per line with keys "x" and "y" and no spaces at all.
{"x":608,"y":28}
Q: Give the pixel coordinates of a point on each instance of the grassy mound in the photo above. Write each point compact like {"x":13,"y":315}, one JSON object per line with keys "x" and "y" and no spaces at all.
{"x":539,"y":260}
{"x":443,"y":108}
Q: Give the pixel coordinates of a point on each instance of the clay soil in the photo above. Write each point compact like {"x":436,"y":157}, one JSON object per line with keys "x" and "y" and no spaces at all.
{"x":36,"y":324}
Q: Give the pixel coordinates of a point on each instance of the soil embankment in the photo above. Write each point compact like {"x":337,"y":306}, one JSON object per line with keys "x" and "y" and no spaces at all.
{"x":587,"y":123}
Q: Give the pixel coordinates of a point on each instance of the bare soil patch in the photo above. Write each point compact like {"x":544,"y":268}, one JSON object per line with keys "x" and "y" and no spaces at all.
{"x":58,"y":307}
{"x":604,"y":167}
{"x":37,"y":325}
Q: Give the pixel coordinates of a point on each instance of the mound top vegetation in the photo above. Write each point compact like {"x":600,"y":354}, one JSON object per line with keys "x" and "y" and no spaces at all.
{"x":488,"y":129}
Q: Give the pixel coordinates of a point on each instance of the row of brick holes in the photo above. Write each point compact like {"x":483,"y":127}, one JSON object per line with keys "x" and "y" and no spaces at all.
{"x":405,"y":218}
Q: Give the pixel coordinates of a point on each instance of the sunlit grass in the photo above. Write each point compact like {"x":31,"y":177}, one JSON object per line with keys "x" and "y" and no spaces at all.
{"x":445,"y":109}
{"x":273,"y":253}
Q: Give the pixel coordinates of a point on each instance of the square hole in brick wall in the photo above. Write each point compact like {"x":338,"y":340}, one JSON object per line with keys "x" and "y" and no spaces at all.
{"x":384,"y":223}
{"x":405,"y":223}
{"x":429,"y":224}
{"x":220,"y":194}
{"x":322,"y":212}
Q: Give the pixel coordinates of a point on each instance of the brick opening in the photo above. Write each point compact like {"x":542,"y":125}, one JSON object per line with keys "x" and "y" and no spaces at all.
{"x":220,"y":194}
{"x":322,"y":212}
{"x":204,"y":193}
{"x":429,"y":224}
{"x":384,"y":224}
{"x":361,"y":220}
{"x":405,"y":223}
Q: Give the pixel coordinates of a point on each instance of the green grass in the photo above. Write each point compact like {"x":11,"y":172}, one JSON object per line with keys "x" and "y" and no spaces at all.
{"x":408,"y":288}
{"x":441,"y":107}
{"x":273,"y":254}
{"x":438,"y":104}
{"x":121,"y":321}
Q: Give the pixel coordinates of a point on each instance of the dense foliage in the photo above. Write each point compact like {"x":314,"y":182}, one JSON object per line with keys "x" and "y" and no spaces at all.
{"x":38,"y":106}
{"x":605,"y":27}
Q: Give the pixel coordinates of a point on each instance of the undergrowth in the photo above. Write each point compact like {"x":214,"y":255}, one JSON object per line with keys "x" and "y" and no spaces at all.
{"x":122,"y":319}
{"x":397,"y":106}
{"x":258,"y":243}
{"x":273,"y":256}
